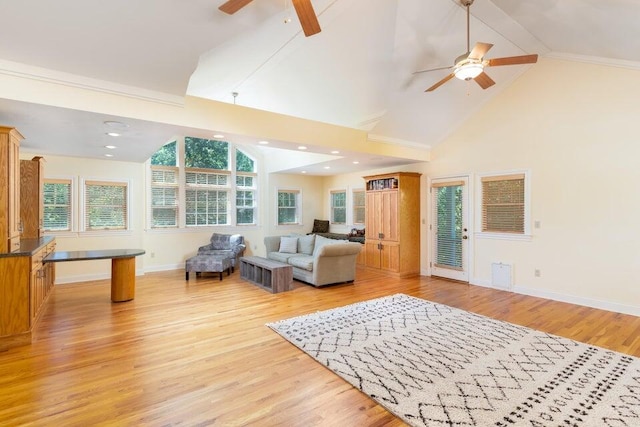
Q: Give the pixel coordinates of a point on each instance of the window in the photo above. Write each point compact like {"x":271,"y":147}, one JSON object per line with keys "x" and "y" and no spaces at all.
{"x":288,"y":207}
{"x":358,"y":206}
{"x":503,"y":204}
{"x":164,"y":196}
{"x":57,"y":204}
{"x":207,"y":198}
{"x":204,"y":187}
{"x":245,"y":189}
{"x":339,"y":207}
{"x":105,"y":205}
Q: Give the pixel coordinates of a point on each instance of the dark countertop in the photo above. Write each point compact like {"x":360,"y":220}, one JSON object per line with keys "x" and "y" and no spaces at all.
{"x":29,"y":246}
{"x":62,"y":256}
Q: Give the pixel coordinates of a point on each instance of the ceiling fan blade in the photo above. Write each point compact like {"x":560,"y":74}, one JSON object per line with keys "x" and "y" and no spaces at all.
{"x":440,"y":83}
{"x":479,"y":50}
{"x":484,"y":80}
{"x":433,"y":69}
{"x":513,"y":60}
{"x":232,"y":6}
{"x":307,"y":17}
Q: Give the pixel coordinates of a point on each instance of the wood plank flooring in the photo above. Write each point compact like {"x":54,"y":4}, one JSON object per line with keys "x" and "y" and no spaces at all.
{"x":198,"y":353}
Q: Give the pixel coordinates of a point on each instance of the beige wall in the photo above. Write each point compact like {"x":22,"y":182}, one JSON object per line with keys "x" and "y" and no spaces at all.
{"x":572,"y":125}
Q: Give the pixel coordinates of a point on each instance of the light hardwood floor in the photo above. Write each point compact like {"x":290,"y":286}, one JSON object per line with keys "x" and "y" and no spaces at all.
{"x":198,"y":353}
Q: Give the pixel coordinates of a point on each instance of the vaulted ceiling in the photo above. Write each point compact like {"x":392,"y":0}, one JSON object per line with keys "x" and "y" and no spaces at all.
{"x":358,"y":72}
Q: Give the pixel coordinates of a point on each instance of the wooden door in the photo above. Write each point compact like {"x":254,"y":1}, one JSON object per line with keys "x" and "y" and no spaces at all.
{"x":389,"y":215}
{"x":390,"y":256}
{"x":372,"y":253}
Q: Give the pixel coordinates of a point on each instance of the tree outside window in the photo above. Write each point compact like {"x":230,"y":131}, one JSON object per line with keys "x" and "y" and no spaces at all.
{"x":339,"y":207}
{"x":57,"y":204}
{"x":288,"y":203}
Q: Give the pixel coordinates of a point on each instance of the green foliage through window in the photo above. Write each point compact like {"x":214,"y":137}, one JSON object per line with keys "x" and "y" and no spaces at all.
{"x":165,"y":156}
{"x":206,"y":153}
{"x":244,"y":163}
{"x":57,"y":206}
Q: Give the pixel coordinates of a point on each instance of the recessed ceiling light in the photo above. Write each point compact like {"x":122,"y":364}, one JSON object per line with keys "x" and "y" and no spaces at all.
{"x":303,"y":172}
{"x":356,"y":162}
{"x":335,"y":152}
{"x":113,"y":134}
{"x":108,"y":155}
{"x":110,"y":147}
{"x":302,"y":147}
{"x":263,"y":142}
{"x":218,"y":136}
{"x":327,"y":167}
{"x":117,"y":125}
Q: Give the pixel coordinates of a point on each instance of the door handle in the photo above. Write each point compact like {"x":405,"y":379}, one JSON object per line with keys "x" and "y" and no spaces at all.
{"x":465,"y":237}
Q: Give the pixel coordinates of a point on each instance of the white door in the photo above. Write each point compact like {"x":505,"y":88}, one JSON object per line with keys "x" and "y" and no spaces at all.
{"x":449,"y":228}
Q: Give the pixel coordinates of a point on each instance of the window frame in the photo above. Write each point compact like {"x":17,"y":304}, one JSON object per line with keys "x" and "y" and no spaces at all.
{"x":83,"y":203}
{"x":164,"y":185}
{"x":72,"y":181}
{"x":298,"y":206}
{"x":355,"y":207}
{"x":231,"y":188}
{"x":495,"y":176}
{"x":332,"y":208}
{"x":252,"y":189}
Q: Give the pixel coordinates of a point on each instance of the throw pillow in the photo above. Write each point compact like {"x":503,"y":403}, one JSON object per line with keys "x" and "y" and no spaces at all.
{"x":320,"y":226}
{"x":305,"y":244}
{"x":288,"y":244}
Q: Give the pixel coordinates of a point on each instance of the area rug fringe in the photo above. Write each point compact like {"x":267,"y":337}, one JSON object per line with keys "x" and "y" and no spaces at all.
{"x":435,"y":365}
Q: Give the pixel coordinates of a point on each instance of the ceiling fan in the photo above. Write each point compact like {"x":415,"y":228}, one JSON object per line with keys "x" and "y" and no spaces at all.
{"x":304,"y":10}
{"x":471,"y":65}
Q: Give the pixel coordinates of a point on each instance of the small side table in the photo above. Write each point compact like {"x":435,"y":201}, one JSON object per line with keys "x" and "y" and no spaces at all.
{"x":270,"y":275}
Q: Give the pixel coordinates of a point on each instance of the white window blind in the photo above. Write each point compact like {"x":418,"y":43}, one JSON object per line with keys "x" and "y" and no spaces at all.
{"x":447,"y":214}
{"x":207,"y":198}
{"x":164,"y":196}
{"x":358,"y":206}
{"x":503,"y":204}
{"x":105,"y":205}
{"x":57,"y":204}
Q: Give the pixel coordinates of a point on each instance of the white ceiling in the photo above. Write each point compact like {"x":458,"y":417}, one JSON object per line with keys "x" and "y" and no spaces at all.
{"x":357,"y":72}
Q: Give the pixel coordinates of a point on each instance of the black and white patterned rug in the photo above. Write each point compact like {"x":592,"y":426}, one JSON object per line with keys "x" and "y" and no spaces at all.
{"x":435,"y":365}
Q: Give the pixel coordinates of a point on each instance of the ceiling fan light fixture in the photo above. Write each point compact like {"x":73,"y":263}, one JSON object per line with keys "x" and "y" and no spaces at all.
{"x":469,"y":70}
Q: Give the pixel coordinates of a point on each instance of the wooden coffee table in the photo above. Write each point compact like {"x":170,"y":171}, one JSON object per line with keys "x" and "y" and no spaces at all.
{"x":270,"y":275}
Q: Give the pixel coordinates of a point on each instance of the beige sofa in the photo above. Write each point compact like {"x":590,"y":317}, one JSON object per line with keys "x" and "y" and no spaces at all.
{"x":315,"y":260}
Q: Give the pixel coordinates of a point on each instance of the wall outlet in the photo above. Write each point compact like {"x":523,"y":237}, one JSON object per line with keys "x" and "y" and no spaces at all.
{"x":536,"y":272}
{"x":153,"y":254}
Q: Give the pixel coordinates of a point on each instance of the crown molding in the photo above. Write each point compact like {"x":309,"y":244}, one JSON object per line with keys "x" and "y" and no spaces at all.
{"x":610,"y":62}
{"x":30,"y":72}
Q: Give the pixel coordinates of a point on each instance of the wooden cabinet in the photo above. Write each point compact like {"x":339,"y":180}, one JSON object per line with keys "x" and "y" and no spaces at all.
{"x":10,"y":183}
{"x":31,"y":197}
{"x":25,"y":284}
{"x":392,"y":223}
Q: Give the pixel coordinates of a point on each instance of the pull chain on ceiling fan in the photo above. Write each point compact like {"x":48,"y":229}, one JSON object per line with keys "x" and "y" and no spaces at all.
{"x":304,"y":10}
{"x":471,"y":65}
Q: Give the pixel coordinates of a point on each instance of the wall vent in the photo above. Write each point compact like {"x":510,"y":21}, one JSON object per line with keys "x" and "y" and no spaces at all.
{"x":501,"y":275}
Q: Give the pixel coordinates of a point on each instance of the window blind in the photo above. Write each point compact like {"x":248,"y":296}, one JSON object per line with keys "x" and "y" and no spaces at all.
{"x":57,"y":204}
{"x":503,"y":204}
{"x":105,"y":205}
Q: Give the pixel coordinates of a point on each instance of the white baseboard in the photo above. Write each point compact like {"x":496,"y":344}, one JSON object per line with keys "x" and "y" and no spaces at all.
{"x":571,"y":299}
{"x":89,"y":277}
{"x":166,"y":267}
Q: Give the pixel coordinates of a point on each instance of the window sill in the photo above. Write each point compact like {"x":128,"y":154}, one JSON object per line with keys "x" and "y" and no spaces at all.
{"x":504,"y":236}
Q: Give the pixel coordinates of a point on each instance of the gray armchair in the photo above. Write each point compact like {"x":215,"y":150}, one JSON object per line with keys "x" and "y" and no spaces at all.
{"x":225,"y":244}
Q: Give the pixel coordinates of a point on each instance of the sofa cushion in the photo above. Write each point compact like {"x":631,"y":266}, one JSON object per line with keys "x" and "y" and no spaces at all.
{"x":288,"y":245}
{"x":281,"y":256}
{"x":305,"y":244}
{"x":304,"y":262}
{"x":322,"y":241}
